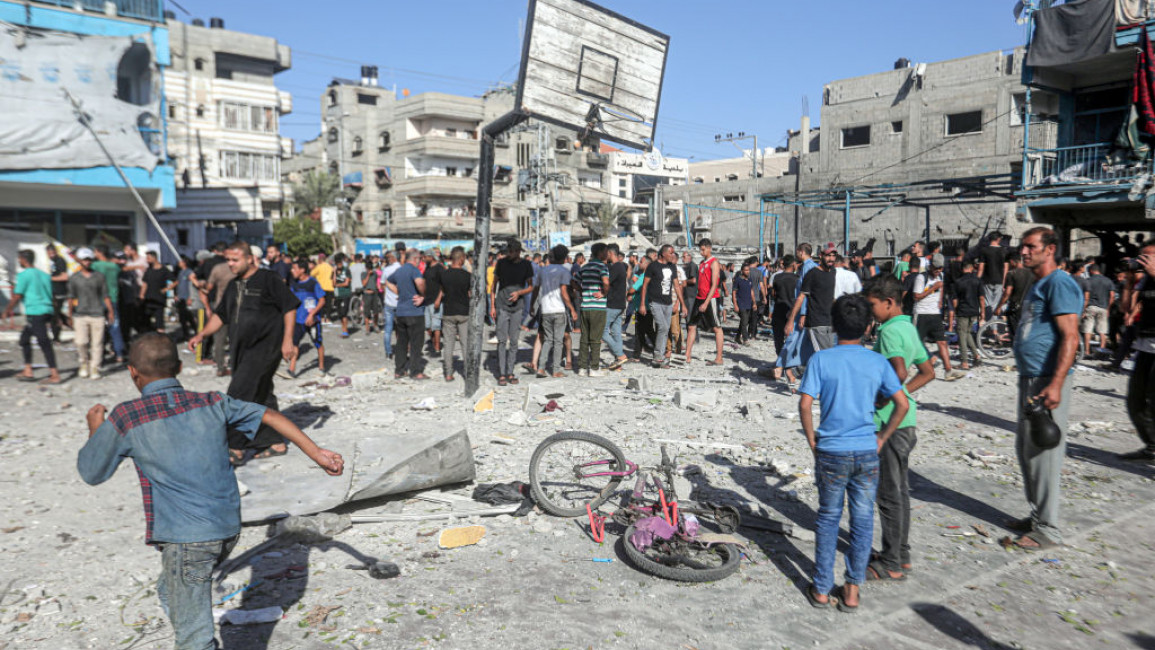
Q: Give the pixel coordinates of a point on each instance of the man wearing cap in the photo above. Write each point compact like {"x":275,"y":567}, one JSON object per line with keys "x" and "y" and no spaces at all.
{"x":89,"y":308}
{"x":928,"y":297}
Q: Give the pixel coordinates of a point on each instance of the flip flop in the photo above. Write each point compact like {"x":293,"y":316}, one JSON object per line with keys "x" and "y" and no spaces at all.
{"x":502,"y":382}
{"x":25,"y":378}
{"x":714,"y":363}
{"x":839,"y":593}
{"x":269,"y":452}
{"x":812,"y":597}
{"x":876,"y":571}
{"x":1044,"y":543}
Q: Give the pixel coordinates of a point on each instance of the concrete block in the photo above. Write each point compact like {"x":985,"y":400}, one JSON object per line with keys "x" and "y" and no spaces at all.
{"x":696,"y":399}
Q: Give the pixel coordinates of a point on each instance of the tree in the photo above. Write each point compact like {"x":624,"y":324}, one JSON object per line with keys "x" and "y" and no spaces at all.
{"x":603,"y":219}
{"x":302,"y":236}
{"x":318,"y":190}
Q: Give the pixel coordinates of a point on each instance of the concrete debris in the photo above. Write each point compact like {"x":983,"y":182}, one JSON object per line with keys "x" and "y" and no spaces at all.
{"x":518,"y":419}
{"x":483,"y":400}
{"x":427,"y":404}
{"x":503,"y":439}
{"x":313,"y":529}
{"x":696,"y":399}
{"x":379,"y":417}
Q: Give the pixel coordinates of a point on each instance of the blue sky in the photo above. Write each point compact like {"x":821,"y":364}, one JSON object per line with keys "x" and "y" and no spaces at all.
{"x":734,"y":65}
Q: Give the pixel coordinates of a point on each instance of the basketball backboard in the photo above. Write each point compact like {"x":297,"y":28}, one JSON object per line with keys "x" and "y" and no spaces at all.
{"x":588,"y":68}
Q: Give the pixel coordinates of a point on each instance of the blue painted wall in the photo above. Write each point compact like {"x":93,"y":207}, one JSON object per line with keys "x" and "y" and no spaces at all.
{"x":68,"y":20}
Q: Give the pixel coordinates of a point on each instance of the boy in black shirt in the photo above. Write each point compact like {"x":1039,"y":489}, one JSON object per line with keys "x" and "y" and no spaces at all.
{"x":453,"y":299}
{"x":969,"y":304}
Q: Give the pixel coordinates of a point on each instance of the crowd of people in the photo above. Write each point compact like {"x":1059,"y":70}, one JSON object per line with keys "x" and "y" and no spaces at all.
{"x":847,"y":333}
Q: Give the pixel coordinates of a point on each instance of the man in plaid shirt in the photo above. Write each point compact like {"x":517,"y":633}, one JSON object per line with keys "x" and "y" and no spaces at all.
{"x":178,"y":442}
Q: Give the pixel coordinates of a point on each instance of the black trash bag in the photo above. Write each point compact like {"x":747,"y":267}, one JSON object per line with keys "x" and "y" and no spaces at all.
{"x":497,"y":494}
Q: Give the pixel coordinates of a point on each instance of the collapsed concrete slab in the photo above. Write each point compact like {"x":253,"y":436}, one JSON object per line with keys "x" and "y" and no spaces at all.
{"x":377,"y":464}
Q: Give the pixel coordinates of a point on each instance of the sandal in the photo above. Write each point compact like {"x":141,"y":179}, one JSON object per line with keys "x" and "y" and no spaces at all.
{"x":236,"y":460}
{"x":448,"y":377}
{"x":559,"y":375}
{"x":1040,"y":542}
{"x":541,"y":374}
{"x":513,"y":380}
{"x":501,"y":381}
{"x":877,"y":571}
{"x":840,"y":594}
{"x":269,"y":452}
{"x":25,"y":378}
{"x":812,"y":596}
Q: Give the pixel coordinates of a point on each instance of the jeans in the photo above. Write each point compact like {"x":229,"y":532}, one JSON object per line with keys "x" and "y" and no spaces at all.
{"x":894,"y":498}
{"x":433,"y":318}
{"x":964,"y":327}
{"x":553,"y":340}
{"x":390,"y":321}
{"x":662,"y":315}
{"x":508,"y":338}
{"x":89,"y":340}
{"x":613,"y":333}
{"x":185,"y":589}
{"x":115,"y":335}
{"x":453,"y":328}
{"x":590,"y":350}
{"x":1141,"y":399}
{"x":1041,"y":468}
{"x":410,"y":338}
{"x":37,"y":327}
{"x":839,"y":475}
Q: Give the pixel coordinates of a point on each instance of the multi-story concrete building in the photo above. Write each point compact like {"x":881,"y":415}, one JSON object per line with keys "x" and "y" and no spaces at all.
{"x":224,"y":112}
{"x":769,"y":163}
{"x":1094,"y":182}
{"x":928,"y":146}
{"x":55,"y":180}
{"x":410,"y":165}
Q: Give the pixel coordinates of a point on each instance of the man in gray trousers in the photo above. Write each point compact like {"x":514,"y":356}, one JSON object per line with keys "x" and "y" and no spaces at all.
{"x":1045,"y":346}
{"x":662,"y":297}
{"x":551,"y":295}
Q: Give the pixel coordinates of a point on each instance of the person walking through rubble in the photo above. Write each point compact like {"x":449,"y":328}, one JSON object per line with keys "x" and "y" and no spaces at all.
{"x":177,"y":439}
{"x":89,"y":308}
{"x":34,"y":289}
{"x":706,"y":312}
{"x":513,"y":281}
{"x":260,"y":313}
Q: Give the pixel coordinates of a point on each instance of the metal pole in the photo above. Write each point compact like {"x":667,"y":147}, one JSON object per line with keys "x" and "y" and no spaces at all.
{"x":761,"y":229}
{"x":686,"y":220}
{"x":478,"y":288}
{"x":927,"y":236}
{"x":776,"y":255}
{"x":136,"y":195}
{"x":846,"y":226}
{"x":754,"y":159}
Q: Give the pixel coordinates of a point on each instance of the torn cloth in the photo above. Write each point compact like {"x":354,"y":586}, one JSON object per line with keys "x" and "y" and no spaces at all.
{"x":650,"y":529}
{"x":1143,"y":86}
{"x":1071,"y":32}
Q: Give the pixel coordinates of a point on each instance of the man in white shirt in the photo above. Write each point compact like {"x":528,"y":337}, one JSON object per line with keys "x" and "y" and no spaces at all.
{"x":391,"y":265}
{"x":928,"y":311}
{"x":551,"y":293}
{"x":845,"y":280}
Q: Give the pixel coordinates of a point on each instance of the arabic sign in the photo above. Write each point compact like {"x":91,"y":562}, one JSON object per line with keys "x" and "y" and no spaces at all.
{"x":636,"y":163}
{"x":375,"y":245}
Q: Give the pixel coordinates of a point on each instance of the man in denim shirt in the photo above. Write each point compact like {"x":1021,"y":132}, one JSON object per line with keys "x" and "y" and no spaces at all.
{"x":178,"y":442}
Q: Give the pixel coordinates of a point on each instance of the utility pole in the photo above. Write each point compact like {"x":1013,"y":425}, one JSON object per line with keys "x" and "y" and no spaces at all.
{"x":734,"y":139}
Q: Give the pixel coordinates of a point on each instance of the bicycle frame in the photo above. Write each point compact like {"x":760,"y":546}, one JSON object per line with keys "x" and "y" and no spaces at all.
{"x":630,"y":469}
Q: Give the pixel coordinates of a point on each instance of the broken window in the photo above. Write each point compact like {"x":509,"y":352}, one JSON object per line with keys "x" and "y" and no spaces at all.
{"x":134,"y":76}
{"x":368,"y":100}
{"x":856,"y":136}
{"x":963,"y":123}
{"x":896,"y":127}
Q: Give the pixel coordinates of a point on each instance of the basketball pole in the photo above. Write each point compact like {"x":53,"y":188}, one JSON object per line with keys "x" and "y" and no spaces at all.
{"x":479,"y":287}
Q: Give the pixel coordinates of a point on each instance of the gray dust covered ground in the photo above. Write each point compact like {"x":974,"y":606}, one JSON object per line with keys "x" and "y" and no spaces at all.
{"x":75,"y":573}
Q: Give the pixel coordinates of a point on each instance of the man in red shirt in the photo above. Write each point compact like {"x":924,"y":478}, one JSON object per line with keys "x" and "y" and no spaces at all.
{"x":705,"y":312}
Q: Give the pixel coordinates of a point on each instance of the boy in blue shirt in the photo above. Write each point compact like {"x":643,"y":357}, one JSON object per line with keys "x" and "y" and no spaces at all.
{"x":848,"y":379}
{"x":307,"y":290}
{"x":178,"y":441}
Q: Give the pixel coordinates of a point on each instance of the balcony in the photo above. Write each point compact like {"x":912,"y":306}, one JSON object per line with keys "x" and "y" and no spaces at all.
{"x":1079,"y":168}
{"x":150,"y":10}
{"x":432,"y":185}
{"x":597,"y":160}
{"x":441,"y":146}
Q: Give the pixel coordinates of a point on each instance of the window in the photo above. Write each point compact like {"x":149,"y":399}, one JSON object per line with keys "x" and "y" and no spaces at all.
{"x":1099,"y":113}
{"x":896,"y":127}
{"x":199,"y":63}
{"x":334,"y":168}
{"x":717,"y":179}
{"x":243,"y":117}
{"x":522,"y":154}
{"x":450,"y":133}
{"x":562,"y":144}
{"x":450,"y":171}
{"x":563,"y":215}
{"x":621,"y":182}
{"x":224,"y":73}
{"x":698,"y":180}
{"x":468,"y":172}
{"x":856,"y":136}
{"x":501,"y":214}
{"x":731,"y":177}
{"x":963,"y":123}
{"x":242,"y":165}
{"x":368,"y":100}
{"x":172,"y":111}
{"x":622,"y":193}
{"x":182,"y":236}
{"x":358,"y":146}
{"x":333,"y":97}
{"x":201,"y":111}
{"x":383,"y":141}
{"x":734,"y":198}
{"x":333,"y":134}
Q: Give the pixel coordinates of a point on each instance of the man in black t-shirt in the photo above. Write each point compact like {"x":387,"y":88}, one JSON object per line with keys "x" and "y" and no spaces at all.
{"x":1019,"y":280}
{"x":969,"y":304}
{"x":433,"y":316}
{"x":616,"y":305}
{"x":783,"y":288}
{"x":260,"y":312}
{"x":817,"y":293}
{"x":453,"y":301}
{"x":992,"y":269}
{"x":156,"y":282}
{"x":662,"y":299}
{"x":512,"y":282}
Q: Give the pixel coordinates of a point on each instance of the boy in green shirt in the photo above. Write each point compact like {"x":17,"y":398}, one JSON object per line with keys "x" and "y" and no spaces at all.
{"x":899,"y":342}
{"x":34,"y":289}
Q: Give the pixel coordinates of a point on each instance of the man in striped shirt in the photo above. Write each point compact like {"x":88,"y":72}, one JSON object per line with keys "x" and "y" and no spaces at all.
{"x":595,"y":279}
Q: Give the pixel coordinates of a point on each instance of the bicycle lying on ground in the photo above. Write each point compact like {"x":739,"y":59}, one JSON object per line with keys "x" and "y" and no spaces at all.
{"x":996,"y":342}
{"x":573,"y":473}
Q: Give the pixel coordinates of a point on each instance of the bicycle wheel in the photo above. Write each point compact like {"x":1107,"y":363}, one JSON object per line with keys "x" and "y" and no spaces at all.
{"x":356,"y":307}
{"x":685,"y":561}
{"x":995,"y":340}
{"x":562,"y":468}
